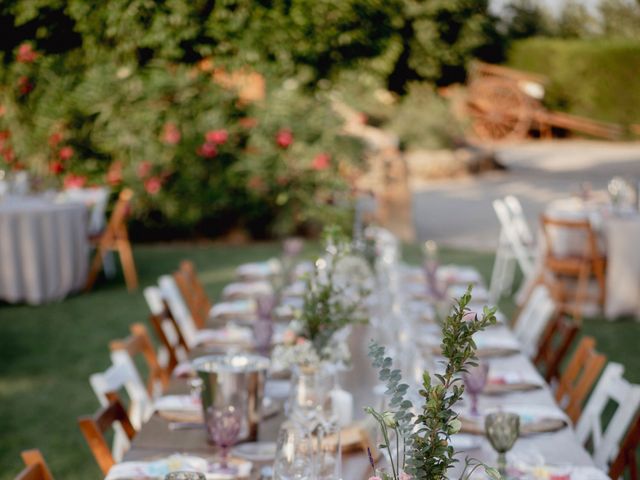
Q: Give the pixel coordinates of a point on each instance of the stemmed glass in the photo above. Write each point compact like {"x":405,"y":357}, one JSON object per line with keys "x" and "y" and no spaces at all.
{"x":502,"y":430}
{"x":475,"y":379}
{"x":224,"y":427}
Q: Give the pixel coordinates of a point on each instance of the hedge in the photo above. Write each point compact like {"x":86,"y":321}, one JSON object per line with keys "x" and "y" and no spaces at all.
{"x":598,"y":79}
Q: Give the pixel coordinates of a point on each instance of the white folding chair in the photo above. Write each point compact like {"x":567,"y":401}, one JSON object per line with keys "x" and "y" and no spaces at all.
{"x":533,"y":319}
{"x":153,"y":296}
{"x":518,"y":219}
{"x":514,"y":247}
{"x":122,"y":374}
{"x":611,"y":386}
{"x":179,"y":310}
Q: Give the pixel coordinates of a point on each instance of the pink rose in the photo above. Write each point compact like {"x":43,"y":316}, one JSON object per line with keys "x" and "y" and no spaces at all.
{"x":217,"y":137}
{"x":56,"y":167}
{"x":322,"y":161}
{"x":54,"y":139}
{"x":144,"y":169}
{"x":207,"y":150}
{"x":284,"y":138}
{"x":74,"y":181}
{"x":171,"y":134}
{"x":66,"y":153}
{"x":114,"y":174}
{"x":375,"y":477}
{"x":24,"y":85}
{"x":152,"y":185}
{"x":26,"y":53}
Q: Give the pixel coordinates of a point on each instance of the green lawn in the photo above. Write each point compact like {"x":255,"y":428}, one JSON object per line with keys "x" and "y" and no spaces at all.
{"x":47,"y":353}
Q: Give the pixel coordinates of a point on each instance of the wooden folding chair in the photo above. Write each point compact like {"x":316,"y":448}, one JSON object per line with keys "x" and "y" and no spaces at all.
{"x":193,"y":292}
{"x":554,"y":345}
{"x":115,"y":238}
{"x":94,"y":427}
{"x":579,"y":265}
{"x":578,"y":378}
{"x":611,"y":387}
{"x":139,"y":343}
{"x":626,"y":458}
{"x":36,"y":467}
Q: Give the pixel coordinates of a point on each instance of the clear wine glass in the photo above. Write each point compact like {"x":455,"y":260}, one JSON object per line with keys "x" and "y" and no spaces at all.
{"x":502,"y":430}
{"x":224,"y":426}
{"x":475,"y":379}
{"x":295,"y":457}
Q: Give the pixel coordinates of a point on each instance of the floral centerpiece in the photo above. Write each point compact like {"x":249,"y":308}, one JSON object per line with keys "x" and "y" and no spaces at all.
{"x":422,"y":441}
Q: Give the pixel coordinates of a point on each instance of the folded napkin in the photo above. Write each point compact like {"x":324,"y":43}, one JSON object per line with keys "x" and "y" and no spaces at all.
{"x":157,"y":469}
{"x":238,"y":308}
{"x":458,"y":275}
{"x":184,"y":403}
{"x":250,"y":290}
{"x":260,"y":270}
{"x":496,"y":338}
{"x":230,"y":334}
{"x":511,"y":378}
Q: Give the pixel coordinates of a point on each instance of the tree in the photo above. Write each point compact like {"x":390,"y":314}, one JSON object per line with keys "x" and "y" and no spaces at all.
{"x":438,"y":37}
{"x":620,"y":18}
{"x":526,"y":18}
{"x":576,"y":21}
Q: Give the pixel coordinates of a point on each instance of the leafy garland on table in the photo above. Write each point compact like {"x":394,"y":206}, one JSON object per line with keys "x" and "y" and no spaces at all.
{"x":326,"y":310}
{"x":426,"y":452}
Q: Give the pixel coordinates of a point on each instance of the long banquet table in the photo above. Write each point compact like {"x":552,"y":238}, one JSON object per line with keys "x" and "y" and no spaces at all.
{"x":561,"y":447}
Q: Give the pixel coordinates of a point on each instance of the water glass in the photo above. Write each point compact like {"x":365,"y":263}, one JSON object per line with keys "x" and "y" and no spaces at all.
{"x":502,"y":430}
{"x":294,"y":452}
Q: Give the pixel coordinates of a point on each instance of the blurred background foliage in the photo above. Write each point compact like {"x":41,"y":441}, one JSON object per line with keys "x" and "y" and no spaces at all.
{"x":218,"y":112}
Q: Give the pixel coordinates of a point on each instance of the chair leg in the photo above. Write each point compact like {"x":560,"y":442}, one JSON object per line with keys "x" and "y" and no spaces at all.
{"x":96,"y":267}
{"x":128,"y":264}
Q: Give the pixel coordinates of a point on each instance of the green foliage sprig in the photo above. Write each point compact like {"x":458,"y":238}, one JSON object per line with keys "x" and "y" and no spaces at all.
{"x":426,"y":436}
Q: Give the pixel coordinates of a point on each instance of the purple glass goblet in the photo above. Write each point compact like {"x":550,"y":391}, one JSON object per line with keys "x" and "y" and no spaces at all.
{"x":475,"y":379}
{"x":224,"y":426}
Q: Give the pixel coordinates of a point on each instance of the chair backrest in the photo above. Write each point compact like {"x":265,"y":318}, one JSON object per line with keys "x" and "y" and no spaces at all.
{"x":511,"y":236}
{"x":193,"y":292}
{"x":36,"y":467}
{"x":579,"y":376}
{"x":97,"y":199}
{"x":94,"y":427}
{"x":117,"y":221}
{"x":611,"y":386}
{"x":533,"y":319}
{"x":178,"y":309}
{"x":139,"y":343}
{"x":122,"y":374}
{"x":166,"y":328}
{"x":580,"y":231}
{"x":555,"y":344}
{"x":518,"y":219}
{"x":626,"y":458}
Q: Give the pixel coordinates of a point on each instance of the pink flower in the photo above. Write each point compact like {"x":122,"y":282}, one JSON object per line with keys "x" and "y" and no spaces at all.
{"x":152,"y":185}
{"x":207,"y":150}
{"x":171,"y":134}
{"x":24,"y":85}
{"x":284,"y":138}
{"x":144,"y":169}
{"x":26,"y":53}
{"x":56,"y":167}
{"x":114,"y":174}
{"x":405,"y":476}
{"x":289,"y":337}
{"x":375,"y":477}
{"x":66,"y":153}
{"x":322,"y":161}
{"x":54,"y":139}
{"x":217,"y":137}
{"x":74,"y":181}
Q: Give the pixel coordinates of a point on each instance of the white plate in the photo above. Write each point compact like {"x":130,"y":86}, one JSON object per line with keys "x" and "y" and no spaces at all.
{"x":256,"y":451}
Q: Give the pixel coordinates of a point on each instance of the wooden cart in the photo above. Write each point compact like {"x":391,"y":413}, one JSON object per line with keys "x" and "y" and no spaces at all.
{"x":505,"y":104}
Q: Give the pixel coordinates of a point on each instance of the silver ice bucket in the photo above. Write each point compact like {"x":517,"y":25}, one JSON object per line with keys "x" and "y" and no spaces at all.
{"x":234,"y":379}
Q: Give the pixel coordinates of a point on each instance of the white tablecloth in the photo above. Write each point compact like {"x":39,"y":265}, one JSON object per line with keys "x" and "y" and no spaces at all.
{"x":43,"y":249}
{"x":619,"y":239}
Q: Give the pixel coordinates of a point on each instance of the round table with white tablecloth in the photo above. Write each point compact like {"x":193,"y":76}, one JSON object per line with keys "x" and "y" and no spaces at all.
{"x":619,"y":238}
{"x":43,"y":249}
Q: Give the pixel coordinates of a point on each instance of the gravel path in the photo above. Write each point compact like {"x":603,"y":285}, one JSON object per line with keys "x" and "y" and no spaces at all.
{"x":459,"y":213}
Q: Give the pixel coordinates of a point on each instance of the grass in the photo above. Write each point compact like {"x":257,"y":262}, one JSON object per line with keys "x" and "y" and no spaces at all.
{"x":48,"y":352}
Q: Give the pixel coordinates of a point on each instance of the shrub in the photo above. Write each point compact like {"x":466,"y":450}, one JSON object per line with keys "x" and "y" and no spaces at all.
{"x":202,"y":158}
{"x":594,"y":78}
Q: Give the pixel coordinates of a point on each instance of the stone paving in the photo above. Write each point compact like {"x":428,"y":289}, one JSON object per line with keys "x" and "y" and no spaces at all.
{"x":458,"y":212}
